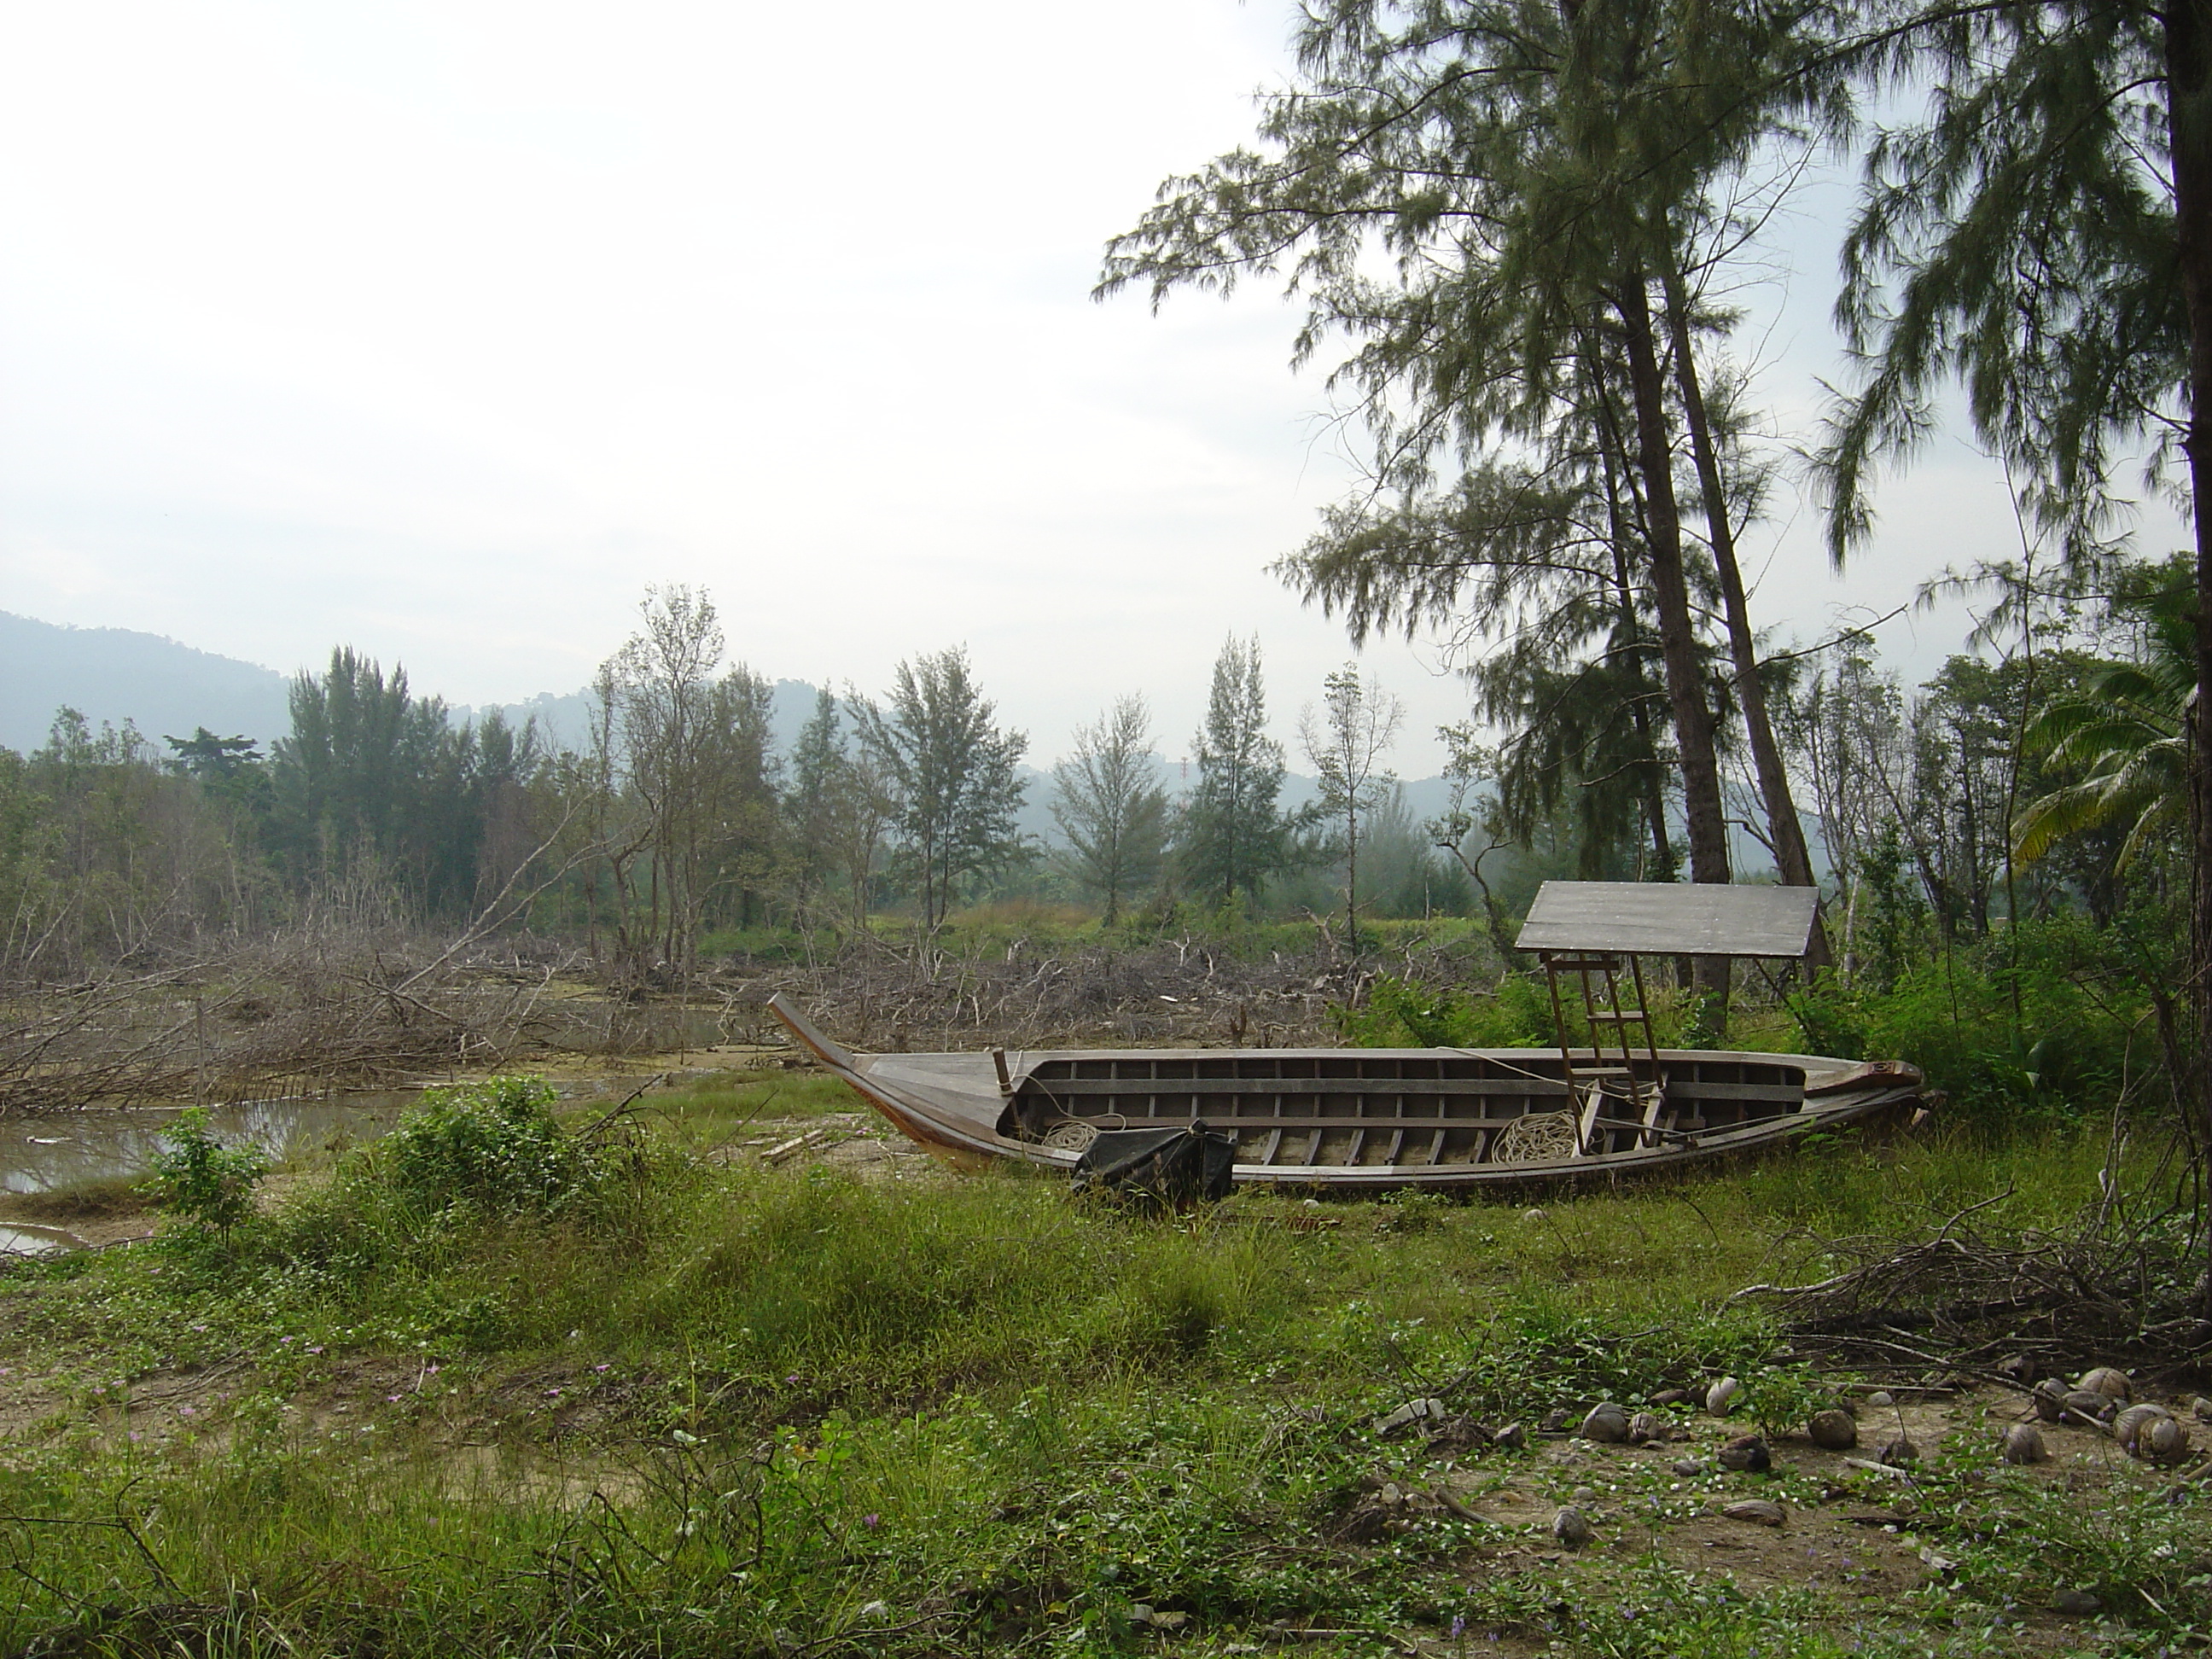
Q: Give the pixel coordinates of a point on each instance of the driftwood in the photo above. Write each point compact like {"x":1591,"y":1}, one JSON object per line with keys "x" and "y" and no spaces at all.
{"x":305,"y":1012}
{"x":354,"y":1006}
{"x":1969,"y":1302}
{"x":1181,"y":992}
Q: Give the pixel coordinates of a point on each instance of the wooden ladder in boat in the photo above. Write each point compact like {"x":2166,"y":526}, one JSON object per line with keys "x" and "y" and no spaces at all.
{"x":1614,"y":1081}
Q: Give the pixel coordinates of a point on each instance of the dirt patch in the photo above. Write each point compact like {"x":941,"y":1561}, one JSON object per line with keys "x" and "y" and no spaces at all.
{"x":858,"y":1142}
{"x":1845,"y":1528}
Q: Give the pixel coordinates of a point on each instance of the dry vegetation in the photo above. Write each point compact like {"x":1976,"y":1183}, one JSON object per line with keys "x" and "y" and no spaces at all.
{"x":311,"y":1011}
{"x":357,"y":1008}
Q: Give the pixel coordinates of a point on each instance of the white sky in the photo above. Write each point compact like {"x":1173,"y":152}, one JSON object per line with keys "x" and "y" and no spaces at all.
{"x":442,"y":329}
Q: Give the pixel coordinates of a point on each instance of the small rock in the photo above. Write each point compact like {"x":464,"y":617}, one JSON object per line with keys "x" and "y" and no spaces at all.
{"x":1897,"y":1451}
{"x":1881,"y":1399}
{"x":875,"y":1612}
{"x":2023,"y":1443}
{"x":1646,"y":1426}
{"x":1140,"y":1614}
{"x":1668,"y":1397}
{"x":1553,"y":1421}
{"x":1537,"y":1214}
{"x":1573,"y":1528}
{"x":1757,"y":1511}
{"x":1686,"y":1467}
{"x":2107,"y":1381}
{"x":2077,"y":1603}
{"x":2201,"y":1408}
{"x":1832,"y":1431}
{"x":1721,"y":1397}
{"x":1607,"y":1422}
{"x":1168,"y":1618}
{"x":2019,"y":1367}
{"x":1512,"y":1437}
{"x":1746,"y":1452}
{"x":1585,"y":1494}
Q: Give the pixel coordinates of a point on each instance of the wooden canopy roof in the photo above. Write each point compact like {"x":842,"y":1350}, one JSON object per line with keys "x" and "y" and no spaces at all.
{"x":1658,"y":918}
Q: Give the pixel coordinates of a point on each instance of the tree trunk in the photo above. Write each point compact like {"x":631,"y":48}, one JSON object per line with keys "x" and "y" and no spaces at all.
{"x":1611,"y":451}
{"x":1792,"y":857}
{"x":1678,"y":640}
{"x":2188,"y":117}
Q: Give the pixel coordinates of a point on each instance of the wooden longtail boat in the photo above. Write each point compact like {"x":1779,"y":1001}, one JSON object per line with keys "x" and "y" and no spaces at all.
{"x":1369,"y":1119}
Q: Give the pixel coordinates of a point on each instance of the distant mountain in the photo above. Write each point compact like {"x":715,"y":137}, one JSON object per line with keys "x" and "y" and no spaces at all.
{"x":566,"y":720}
{"x":114,"y":675}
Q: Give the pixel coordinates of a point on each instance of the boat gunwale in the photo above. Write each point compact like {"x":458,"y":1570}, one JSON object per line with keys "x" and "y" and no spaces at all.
{"x":1895,"y":1083}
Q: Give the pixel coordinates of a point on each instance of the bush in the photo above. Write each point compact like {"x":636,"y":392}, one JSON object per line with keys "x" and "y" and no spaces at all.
{"x":490,"y":1148}
{"x":198,"y":1178}
{"x":1404,"y":1013}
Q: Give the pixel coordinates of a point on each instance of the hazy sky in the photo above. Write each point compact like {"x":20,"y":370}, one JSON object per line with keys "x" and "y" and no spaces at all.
{"x":442,"y":330}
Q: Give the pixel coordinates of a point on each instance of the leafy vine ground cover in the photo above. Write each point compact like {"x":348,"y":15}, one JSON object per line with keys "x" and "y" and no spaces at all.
{"x":499,"y":1386}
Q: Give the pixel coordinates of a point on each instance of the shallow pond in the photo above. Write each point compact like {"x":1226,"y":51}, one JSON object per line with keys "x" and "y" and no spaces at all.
{"x":68,"y":1148}
{"x":38,"y":1154}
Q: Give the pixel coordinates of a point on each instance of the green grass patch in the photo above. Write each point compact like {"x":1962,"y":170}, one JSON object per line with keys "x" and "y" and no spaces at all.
{"x":606,"y":1395}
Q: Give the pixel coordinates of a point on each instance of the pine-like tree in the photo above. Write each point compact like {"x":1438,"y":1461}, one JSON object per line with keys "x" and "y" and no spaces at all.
{"x":953,"y":773}
{"x":1232,"y":836}
{"x":1541,"y":175}
{"x":1110,"y":803}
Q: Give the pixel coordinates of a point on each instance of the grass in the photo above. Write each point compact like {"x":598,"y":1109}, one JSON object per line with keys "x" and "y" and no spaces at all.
{"x":106,"y":1199}
{"x":714,"y":1409}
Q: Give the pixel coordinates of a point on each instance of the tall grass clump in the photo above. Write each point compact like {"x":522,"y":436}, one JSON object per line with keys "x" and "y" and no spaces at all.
{"x":888,"y":1287}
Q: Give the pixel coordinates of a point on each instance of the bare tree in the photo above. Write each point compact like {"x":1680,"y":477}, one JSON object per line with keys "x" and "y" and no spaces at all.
{"x":1345,"y":747}
{"x":659,"y":715}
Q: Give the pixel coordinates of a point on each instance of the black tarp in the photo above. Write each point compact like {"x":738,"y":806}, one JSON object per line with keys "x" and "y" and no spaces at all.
{"x":1173,"y":1167}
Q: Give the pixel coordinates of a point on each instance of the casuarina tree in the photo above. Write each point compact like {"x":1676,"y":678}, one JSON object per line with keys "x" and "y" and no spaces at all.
{"x":1109,"y":801}
{"x":952,"y":772}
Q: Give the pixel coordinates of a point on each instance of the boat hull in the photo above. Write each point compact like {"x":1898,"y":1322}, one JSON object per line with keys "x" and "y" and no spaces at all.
{"x":1371,"y":1119}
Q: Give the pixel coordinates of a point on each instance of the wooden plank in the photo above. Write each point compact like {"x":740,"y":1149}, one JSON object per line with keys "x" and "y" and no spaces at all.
{"x":1789,"y":1093}
{"x":1301,"y":1123}
{"x":1662,"y":917}
{"x":1295,"y":1086}
{"x":1590,"y":1121}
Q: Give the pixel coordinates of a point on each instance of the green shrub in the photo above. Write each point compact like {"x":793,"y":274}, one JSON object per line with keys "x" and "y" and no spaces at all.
{"x":489,"y":1148}
{"x":1404,"y":1013}
{"x":199,"y":1179}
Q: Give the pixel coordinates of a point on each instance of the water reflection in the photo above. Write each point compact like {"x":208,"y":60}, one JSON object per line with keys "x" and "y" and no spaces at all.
{"x":26,"y":1238}
{"x":67,"y":1149}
